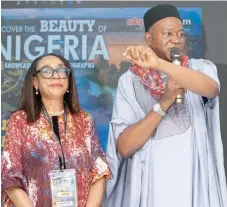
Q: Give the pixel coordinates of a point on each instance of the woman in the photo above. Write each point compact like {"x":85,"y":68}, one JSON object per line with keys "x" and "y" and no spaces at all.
{"x":51,"y":143}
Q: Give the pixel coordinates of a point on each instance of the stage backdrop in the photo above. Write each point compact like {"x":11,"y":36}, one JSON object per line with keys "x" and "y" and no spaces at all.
{"x":92,"y":39}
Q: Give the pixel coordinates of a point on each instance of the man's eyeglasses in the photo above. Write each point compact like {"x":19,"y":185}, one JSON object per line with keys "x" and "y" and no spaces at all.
{"x":48,"y":72}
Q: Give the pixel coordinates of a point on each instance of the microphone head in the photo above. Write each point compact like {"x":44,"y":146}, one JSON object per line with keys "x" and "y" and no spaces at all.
{"x":175,"y":53}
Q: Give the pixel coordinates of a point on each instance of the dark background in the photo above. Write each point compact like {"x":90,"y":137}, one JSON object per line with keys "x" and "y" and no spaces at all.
{"x":214,"y":17}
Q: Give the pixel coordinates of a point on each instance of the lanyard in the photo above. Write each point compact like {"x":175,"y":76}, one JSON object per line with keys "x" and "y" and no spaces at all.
{"x":61,"y":156}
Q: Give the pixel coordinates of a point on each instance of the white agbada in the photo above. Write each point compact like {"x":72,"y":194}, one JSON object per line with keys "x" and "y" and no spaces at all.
{"x":183,"y":168}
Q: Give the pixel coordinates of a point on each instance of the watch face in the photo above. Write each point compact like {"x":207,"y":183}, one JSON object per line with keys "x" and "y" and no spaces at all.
{"x":156,"y":107}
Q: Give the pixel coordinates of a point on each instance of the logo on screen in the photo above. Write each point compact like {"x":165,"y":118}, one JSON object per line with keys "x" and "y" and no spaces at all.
{"x":135,"y":22}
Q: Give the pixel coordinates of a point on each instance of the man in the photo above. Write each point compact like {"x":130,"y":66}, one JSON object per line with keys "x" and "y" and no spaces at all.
{"x":161,"y":153}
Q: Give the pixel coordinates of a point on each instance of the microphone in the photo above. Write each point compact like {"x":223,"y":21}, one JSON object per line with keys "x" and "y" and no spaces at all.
{"x":175,"y":56}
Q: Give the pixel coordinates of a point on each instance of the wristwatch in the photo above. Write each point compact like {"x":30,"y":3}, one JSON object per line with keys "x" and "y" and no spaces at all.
{"x":158,"y":109}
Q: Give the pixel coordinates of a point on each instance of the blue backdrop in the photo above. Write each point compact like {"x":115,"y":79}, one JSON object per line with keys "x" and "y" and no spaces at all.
{"x":92,"y":39}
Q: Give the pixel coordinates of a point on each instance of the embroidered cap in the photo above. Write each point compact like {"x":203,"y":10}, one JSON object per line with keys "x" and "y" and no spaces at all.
{"x":159,"y":12}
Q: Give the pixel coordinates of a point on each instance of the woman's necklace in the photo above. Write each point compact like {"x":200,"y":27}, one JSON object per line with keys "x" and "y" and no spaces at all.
{"x":55,"y":114}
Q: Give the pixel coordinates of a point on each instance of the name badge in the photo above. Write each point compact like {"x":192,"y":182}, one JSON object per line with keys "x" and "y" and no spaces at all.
{"x":63,"y":188}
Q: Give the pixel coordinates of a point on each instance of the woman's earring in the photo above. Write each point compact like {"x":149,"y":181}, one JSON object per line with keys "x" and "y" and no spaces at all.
{"x":36,"y":91}
{"x":67,"y":91}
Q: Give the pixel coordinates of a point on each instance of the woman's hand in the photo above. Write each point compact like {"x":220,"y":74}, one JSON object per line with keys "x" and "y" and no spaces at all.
{"x":19,"y":197}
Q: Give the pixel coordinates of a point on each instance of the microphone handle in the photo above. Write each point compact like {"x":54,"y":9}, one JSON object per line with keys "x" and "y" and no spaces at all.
{"x":180,"y":96}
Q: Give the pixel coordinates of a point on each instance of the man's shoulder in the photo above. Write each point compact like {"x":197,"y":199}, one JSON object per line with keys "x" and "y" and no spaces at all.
{"x":125,"y":78}
{"x":202,"y":65}
{"x":125,"y":84}
{"x":125,"y":75}
{"x":201,"y":61}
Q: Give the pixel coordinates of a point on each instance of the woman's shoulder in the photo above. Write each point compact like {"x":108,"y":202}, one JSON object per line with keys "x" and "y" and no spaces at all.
{"x":83,"y":114}
{"x":19,"y":115}
{"x":83,"y":117}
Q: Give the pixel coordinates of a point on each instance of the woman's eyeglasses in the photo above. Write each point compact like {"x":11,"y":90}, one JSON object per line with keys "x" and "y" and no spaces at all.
{"x":48,"y":72}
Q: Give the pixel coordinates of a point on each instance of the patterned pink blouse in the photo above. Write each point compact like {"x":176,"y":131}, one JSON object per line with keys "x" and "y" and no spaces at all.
{"x":30,"y":152}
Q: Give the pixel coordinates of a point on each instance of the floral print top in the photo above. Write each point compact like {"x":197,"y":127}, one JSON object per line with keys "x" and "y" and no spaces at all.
{"x":31,"y":152}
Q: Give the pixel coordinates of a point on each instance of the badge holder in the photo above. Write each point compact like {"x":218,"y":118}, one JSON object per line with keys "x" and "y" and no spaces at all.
{"x":63,"y":188}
